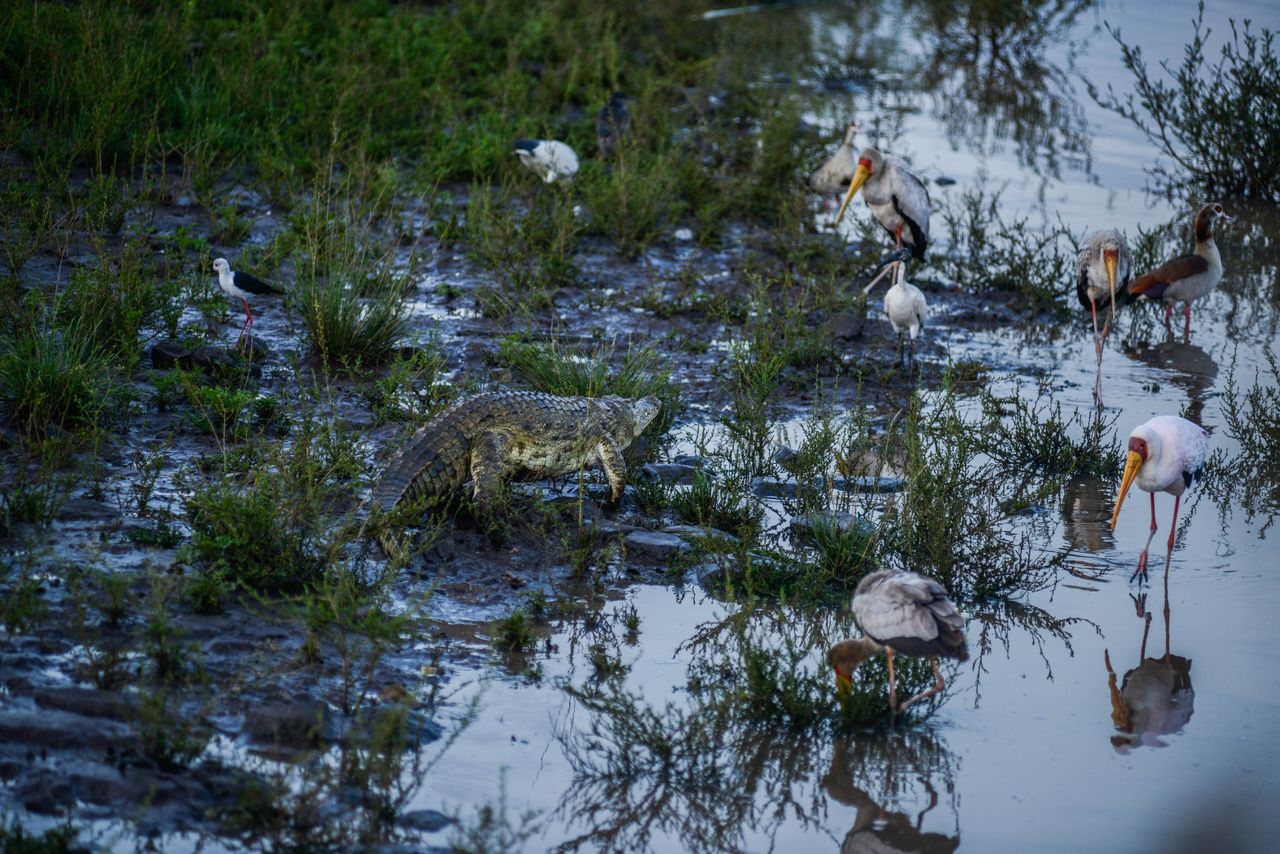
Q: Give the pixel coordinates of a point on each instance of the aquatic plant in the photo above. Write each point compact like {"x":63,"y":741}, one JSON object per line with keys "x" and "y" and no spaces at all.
{"x":1210,"y":119}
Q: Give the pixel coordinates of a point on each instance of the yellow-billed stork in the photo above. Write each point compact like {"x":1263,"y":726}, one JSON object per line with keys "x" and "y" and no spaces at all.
{"x":1104,"y":267}
{"x":242,"y":286}
{"x":897,"y":198}
{"x":1165,"y":455}
{"x":900,"y":612}
{"x":1188,"y":277}
{"x":551,"y":159}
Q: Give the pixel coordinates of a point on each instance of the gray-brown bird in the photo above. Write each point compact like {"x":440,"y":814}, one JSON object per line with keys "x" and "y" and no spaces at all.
{"x":901,"y":612}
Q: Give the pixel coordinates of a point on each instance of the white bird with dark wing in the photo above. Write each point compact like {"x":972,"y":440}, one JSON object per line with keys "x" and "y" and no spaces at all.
{"x":1165,"y":455}
{"x":1188,"y":277}
{"x":1104,"y":268}
{"x":551,"y":159}
{"x":833,"y":177}
{"x":242,"y":286}
{"x":897,"y":198}
{"x":906,"y":613}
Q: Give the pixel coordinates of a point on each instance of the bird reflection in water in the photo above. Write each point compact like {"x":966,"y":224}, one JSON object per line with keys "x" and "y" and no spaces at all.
{"x":1086,"y":514}
{"x":1187,"y":366}
{"x":1155,"y":698}
{"x":894,"y":765}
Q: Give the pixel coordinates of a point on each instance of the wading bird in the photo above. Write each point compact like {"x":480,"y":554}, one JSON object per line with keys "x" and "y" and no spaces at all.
{"x":551,"y":159}
{"x":1165,"y":455}
{"x":906,"y":613}
{"x":612,"y":123}
{"x":897,"y":198}
{"x":904,"y":303}
{"x":1104,"y":267}
{"x":1188,"y":277}
{"x":241,"y":286}
{"x":833,"y":177}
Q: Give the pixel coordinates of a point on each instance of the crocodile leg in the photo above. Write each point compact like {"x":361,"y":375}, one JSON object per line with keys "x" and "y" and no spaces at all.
{"x":487,"y":456}
{"x":615,"y":468}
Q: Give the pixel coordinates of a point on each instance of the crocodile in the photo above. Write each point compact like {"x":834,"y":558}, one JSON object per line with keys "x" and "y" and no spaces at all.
{"x":517,"y":435}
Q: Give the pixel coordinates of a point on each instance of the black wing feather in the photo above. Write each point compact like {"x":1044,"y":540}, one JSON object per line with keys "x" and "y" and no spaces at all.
{"x":917,"y":236}
{"x":254,"y":285}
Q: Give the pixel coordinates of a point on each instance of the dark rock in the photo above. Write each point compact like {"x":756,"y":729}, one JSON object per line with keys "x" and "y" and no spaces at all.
{"x":570,"y":506}
{"x":84,"y":701}
{"x":87,"y":508}
{"x":425,"y":821}
{"x":944,"y":181}
{"x":609,"y":527}
{"x":772,"y":487}
{"x":802,"y":526}
{"x":48,"y":728}
{"x":213,"y":358}
{"x":846,"y":324}
{"x":655,"y":545}
{"x":678,"y":474}
{"x":697,"y":533}
{"x":298,"y":725}
{"x":637,"y":450}
{"x":170,"y":353}
{"x":690,"y":460}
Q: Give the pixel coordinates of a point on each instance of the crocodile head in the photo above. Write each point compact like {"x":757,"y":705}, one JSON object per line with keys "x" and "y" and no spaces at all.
{"x":630,"y":417}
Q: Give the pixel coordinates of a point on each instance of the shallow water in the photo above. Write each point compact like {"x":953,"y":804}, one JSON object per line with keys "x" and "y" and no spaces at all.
{"x":1023,"y":754}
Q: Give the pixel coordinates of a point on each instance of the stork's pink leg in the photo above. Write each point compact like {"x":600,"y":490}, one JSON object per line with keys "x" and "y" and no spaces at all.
{"x":938,"y":685}
{"x":1097,"y":348}
{"x":899,"y":235}
{"x":1186,"y":328}
{"x":1174,"y":529}
{"x":1141,"y":572}
{"x":1168,"y":313}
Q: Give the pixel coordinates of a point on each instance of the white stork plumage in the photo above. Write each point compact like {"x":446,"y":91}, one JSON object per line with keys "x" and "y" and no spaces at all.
{"x":897,"y":198}
{"x":242,"y":286}
{"x":551,"y":159}
{"x":1165,"y":455}
{"x":901,"y":612}
{"x":1104,"y":267}
{"x":1188,"y":277}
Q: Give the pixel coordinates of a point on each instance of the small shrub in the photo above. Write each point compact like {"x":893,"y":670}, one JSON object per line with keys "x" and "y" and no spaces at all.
{"x":515,"y":633}
{"x":713,"y":504}
{"x":1210,"y":119}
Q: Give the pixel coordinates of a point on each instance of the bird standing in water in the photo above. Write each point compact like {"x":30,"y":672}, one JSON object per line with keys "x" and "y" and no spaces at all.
{"x":1188,"y":277}
{"x":1104,"y":267}
{"x":1165,"y":455}
{"x":897,"y":198}
{"x":901,"y":612}
{"x":242,"y":286}
{"x":612,"y":123}
{"x":551,"y":159}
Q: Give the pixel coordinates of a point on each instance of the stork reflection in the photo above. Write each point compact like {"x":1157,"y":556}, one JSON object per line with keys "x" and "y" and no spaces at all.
{"x":1155,"y":698}
{"x":894,"y":764}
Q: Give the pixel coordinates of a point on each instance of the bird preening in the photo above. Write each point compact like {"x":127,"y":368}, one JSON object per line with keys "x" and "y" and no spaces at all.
{"x":550,"y":159}
{"x":905,"y":613}
{"x":242,"y":286}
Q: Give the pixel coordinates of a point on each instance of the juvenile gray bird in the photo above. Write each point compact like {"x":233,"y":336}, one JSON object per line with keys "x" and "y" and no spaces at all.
{"x":1104,"y":268}
{"x":902,"y":612}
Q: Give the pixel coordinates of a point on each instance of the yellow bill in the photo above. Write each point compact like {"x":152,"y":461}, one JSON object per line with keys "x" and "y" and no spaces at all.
{"x":1133,"y":462}
{"x":859,"y":178}
{"x":843,"y":683}
{"x":1110,"y":261}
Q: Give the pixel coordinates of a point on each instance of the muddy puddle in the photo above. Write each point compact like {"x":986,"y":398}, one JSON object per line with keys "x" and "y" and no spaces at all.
{"x":1096,"y":714}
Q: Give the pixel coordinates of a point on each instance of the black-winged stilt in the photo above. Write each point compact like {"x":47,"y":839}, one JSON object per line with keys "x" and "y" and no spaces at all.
{"x":241,"y":286}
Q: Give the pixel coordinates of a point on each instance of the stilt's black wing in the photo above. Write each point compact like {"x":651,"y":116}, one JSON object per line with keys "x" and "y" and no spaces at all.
{"x":254,"y":285}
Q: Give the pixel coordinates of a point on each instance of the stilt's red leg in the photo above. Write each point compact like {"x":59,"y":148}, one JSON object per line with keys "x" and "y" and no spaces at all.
{"x":1174,"y":529}
{"x":248,"y":324}
{"x":893,"y":694}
